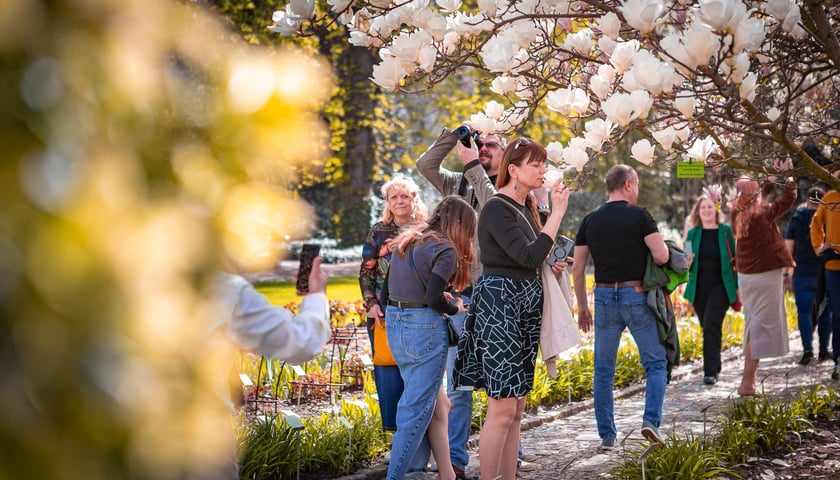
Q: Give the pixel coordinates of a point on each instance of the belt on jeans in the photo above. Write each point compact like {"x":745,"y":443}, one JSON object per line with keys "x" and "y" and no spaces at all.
{"x":402,"y":304}
{"x":628,"y":283}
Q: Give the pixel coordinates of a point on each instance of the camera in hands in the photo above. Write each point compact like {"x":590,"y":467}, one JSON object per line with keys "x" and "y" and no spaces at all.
{"x":464,"y":133}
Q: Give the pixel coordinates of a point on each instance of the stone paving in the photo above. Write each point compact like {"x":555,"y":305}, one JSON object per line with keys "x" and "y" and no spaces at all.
{"x":565,"y":440}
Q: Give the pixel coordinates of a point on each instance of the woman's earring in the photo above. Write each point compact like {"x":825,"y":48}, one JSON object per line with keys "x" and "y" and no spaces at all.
{"x":515,"y":183}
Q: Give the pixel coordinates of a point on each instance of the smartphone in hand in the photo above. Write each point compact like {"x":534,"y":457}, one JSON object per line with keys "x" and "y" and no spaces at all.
{"x":307,"y":255}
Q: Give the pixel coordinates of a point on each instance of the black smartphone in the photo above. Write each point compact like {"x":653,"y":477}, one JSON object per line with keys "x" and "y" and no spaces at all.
{"x":307,"y":255}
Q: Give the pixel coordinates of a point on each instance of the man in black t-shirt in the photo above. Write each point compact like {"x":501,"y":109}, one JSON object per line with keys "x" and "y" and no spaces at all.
{"x":619,"y":236}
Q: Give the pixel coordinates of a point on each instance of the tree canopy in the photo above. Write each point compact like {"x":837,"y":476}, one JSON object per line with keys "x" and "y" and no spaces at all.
{"x":723,"y":82}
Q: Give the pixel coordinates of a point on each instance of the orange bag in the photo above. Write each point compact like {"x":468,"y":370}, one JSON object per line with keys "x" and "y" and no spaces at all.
{"x":381,"y":351}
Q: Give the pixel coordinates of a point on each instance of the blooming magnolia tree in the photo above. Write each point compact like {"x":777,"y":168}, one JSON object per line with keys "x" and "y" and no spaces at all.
{"x":716,"y":81}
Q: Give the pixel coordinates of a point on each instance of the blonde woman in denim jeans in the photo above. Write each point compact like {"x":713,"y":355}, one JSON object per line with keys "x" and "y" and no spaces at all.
{"x":426,"y":260}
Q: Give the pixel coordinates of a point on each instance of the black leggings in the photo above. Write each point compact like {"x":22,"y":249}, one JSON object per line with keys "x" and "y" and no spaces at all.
{"x":711,"y":305}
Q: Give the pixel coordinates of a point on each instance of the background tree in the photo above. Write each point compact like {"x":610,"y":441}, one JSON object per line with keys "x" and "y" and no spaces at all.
{"x":726,"y":82}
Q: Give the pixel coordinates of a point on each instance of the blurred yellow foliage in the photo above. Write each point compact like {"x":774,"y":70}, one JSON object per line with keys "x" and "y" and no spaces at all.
{"x":141,"y":147}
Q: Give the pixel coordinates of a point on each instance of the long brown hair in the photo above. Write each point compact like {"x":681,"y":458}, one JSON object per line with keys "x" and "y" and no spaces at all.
{"x":744,"y":206}
{"x":518,"y":152}
{"x":453,"y":221}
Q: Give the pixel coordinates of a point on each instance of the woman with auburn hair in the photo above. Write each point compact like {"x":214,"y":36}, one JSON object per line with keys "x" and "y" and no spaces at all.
{"x":498,"y":349}
{"x":712,"y":284}
{"x":761,"y":259}
{"x":428,"y":258}
{"x":403,"y":206}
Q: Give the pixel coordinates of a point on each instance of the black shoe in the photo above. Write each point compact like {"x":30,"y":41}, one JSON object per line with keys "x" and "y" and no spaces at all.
{"x":460,"y":474}
{"x":709,"y":380}
{"x":836,"y":374}
{"x":825,"y":356}
{"x":807,"y":358}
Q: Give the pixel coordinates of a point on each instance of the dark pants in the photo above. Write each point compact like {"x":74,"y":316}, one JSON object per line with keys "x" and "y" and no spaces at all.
{"x":711,"y":306}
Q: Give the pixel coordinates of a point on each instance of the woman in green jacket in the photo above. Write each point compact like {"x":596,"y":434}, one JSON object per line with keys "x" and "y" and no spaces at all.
{"x":712,"y":283}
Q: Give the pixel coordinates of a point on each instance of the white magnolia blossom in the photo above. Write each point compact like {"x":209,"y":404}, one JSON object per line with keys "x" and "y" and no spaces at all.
{"x":747,"y":88}
{"x":497,"y":54}
{"x":432,"y":22}
{"x":568,"y":101}
{"x":580,"y":42}
{"x":338,"y":5}
{"x":642,"y":151}
{"x":779,"y":8}
{"x":622,"y":56}
{"x":701,"y":43}
{"x":284,"y":24}
{"x":721,"y":15}
{"x":685,"y":102}
{"x":618,"y":109}
{"x":449,"y":6}
{"x":361,"y":39}
{"x":673,"y":44}
{"x":301,"y":9}
{"x":494,"y":110}
{"x":601,"y":85}
{"x":450,"y":42}
{"x":650,"y":74}
{"x":414,"y":50}
{"x":552,"y":174}
{"x":665,"y":137}
{"x":607,"y":45}
{"x":702,"y":149}
{"x":522,"y":33}
{"x":389,"y":74}
{"x":575,"y":155}
{"x":683,"y":131}
{"x":610,"y":25}
{"x":738,"y":67}
{"x":488,"y":7}
{"x":643,"y":15}
{"x":503,"y":85}
{"x":554,"y":152}
{"x":749,"y":35}
{"x":597,"y":132}
{"x":483,"y":123}
{"x":470,"y":24}
{"x":774,"y":113}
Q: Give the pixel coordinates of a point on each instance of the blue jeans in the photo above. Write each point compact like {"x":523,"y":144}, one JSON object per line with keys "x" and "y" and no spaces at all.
{"x":615,"y":309}
{"x":832,"y":288}
{"x":419,"y":342}
{"x":460,"y":415}
{"x":804,"y":291}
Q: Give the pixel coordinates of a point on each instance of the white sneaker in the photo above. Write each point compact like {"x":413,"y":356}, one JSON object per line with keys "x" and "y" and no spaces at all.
{"x":527,"y":466}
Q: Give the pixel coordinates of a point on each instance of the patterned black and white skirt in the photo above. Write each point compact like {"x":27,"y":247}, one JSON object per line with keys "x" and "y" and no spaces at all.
{"x":498,"y":348}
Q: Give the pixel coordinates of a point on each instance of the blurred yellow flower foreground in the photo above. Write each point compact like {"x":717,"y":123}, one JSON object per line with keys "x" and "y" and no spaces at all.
{"x":142,"y":146}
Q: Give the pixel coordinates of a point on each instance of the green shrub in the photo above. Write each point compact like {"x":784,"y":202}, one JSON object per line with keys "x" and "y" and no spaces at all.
{"x":681,"y":458}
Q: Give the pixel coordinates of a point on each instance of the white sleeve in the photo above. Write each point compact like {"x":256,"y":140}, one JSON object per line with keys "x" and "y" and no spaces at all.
{"x":269,"y":330}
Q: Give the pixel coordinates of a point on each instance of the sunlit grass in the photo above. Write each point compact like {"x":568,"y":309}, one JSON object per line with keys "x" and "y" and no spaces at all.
{"x":339,"y":288}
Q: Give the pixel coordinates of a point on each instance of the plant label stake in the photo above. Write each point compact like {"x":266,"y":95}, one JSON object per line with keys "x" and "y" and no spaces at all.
{"x":297,"y":426}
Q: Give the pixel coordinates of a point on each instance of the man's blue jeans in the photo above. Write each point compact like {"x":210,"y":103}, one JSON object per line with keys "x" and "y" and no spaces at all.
{"x":419,"y":342}
{"x":615,"y":309}
{"x":460,"y":416}
{"x":804,"y":291}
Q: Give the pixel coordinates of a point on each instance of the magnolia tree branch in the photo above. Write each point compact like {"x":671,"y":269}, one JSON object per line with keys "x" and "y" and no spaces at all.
{"x":719,"y":81}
